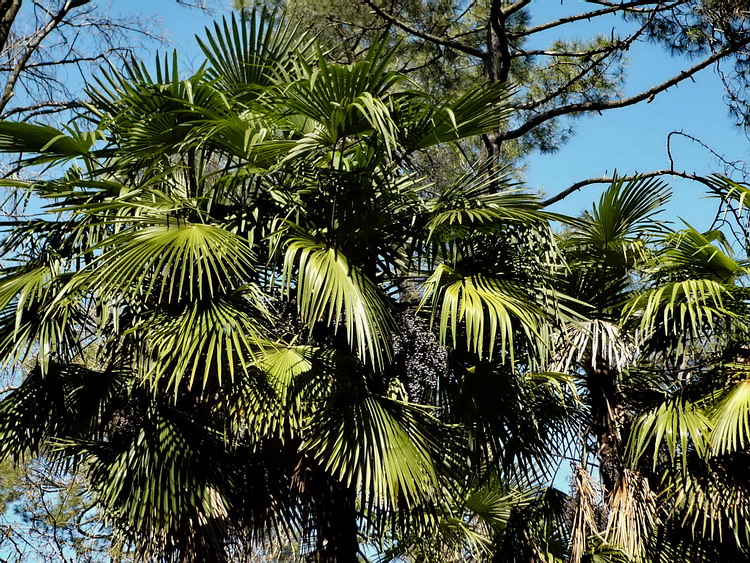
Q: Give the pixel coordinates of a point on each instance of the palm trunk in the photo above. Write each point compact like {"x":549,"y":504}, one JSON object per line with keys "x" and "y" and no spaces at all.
{"x":602,"y":384}
{"x":337,"y":540}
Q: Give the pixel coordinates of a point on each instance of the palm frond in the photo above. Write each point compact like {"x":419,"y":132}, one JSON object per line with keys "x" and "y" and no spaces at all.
{"x":330,"y":290}
{"x":676,"y":425}
{"x":346,"y":101}
{"x":161,"y":481}
{"x":613,"y":231}
{"x":490,"y":310}
{"x":382,"y":446}
{"x":425,"y":123}
{"x":689,"y":307}
{"x":695,"y":254}
{"x":172,"y":262}
{"x":731,"y":420}
{"x":205,"y":340}
{"x":50,"y":144}
{"x":479,"y":200}
{"x":259,"y":50}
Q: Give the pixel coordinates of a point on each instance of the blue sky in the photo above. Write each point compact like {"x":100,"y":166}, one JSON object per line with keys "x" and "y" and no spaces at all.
{"x":627,"y":140}
{"x":634,"y":139}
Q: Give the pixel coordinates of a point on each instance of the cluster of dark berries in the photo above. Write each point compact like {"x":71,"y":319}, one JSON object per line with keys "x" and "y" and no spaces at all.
{"x":418,"y":359}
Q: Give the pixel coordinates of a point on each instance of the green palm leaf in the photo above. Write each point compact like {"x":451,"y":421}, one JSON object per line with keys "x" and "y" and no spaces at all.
{"x":205,"y":340}
{"x":382,"y":446}
{"x":257,"y":51}
{"x":173,"y":262}
{"x":44,"y":140}
{"x":489,"y":309}
{"x":731,"y":420}
{"x":346,"y":101}
{"x":695,"y":254}
{"x":425,"y":123}
{"x":675,"y":424}
{"x":683,"y":307}
{"x":330,"y":290}
{"x":482,"y":201}
{"x":162,"y":481}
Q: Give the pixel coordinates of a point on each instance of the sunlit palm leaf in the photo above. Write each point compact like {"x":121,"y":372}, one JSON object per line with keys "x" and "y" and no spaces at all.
{"x":676,"y":425}
{"x":48,"y":143}
{"x":346,"y":101}
{"x":40,"y":316}
{"x":425,"y":123}
{"x":696,"y":255}
{"x":731,"y":420}
{"x":490,"y":310}
{"x":615,"y":229}
{"x":478,"y":200}
{"x":383,"y":446}
{"x":257,"y":51}
{"x":174,"y":262}
{"x":330,"y":290}
{"x":690,"y":307}
{"x":494,"y":506}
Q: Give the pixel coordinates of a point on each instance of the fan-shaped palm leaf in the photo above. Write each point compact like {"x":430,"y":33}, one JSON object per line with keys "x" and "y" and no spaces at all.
{"x":172,"y":262}
{"x":691,"y":307}
{"x":675,"y":424}
{"x":52,"y":145}
{"x":383,"y":446}
{"x":329,"y":289}
{"x":257,"y":51}
{"x":482,"y":201}
{"x":205,"y":340}
{"x":489,"y":309}
{"x":162,"y":480}
{"x":731,"y":420}
{"x":615,"y":227}
{"x":696,"y":255}
{"x":346,"y":101}
{"x":425,"y":123}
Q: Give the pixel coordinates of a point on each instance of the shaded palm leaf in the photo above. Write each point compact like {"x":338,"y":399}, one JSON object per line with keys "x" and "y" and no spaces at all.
{"x":205,"y":340}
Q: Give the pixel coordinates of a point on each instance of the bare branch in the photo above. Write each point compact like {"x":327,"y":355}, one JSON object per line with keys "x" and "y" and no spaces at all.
{"x":607,"y":180}
{"x":516,"y":6}
{"x":33,"y":45}
{"x":623,"y":102}
{"x":9,"y":10}
{"x":625,"y":6}
{"x":423,"y":35}
{"x":43,"y":108}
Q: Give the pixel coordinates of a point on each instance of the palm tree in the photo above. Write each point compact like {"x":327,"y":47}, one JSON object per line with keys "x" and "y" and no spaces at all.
{"x":244,"y":315}
{"x":659,"y":357}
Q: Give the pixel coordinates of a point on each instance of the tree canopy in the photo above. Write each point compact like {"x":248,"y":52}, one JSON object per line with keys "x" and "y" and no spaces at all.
{"x":245,"y":315}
